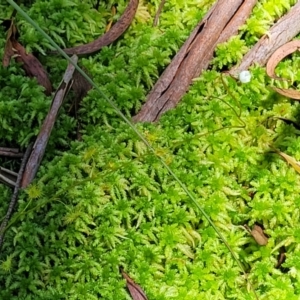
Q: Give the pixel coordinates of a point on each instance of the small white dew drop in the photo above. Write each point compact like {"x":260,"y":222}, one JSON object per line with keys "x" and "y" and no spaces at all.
{"x":245,"y":76}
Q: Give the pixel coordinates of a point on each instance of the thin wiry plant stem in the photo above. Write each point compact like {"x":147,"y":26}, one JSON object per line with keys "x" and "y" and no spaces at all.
{"x":160,"y":8}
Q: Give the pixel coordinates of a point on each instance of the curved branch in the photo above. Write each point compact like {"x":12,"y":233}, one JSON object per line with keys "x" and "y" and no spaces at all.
{"x":107,"y":38}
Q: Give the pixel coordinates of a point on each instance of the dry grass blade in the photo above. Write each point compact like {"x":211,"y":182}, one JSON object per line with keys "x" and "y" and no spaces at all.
{"x":291,"y":160}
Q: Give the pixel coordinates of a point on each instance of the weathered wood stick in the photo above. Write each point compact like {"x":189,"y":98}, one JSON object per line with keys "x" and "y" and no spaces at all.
{"x":282,"y":32}
{"x":14,"y":196}
{"x":107,"y":38}
{"x":11,"y":152}
{"x":42,"y":139}
{"x":218,"y":25}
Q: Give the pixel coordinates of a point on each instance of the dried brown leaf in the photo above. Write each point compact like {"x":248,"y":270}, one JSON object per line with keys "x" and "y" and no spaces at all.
{"x":291,"y":160}
{"x":30,"y":63}
{"x":259,"y":235}
{"x":134,"y":289}
{"x":273,"y":61}
{"x":280,"y":54}
{"x":8,"y":50}
{"x":32,"y":66}
{"x":293,"y":94}
{"x":80,"y":85}
{"x":113,"y":12}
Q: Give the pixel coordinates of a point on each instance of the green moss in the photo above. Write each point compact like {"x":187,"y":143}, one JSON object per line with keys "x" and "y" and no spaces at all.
{"x":107,"y":201}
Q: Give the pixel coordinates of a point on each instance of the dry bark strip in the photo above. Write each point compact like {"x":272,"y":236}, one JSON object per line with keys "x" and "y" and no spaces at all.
{"x":221,"y":22}
{"x":115,"y":32}
{"x":15,"y":194}
{"x":40,"y":144}
{"x":283,"y":31}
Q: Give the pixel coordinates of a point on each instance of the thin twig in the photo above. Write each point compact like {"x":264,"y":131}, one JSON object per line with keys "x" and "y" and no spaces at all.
{"x":161,"y":5}
{"x":14,"y":197}
{"x":15,"y":150}
{"x":42,"y":139}
{"x":11,"y":152}
{"x":8,"y":177}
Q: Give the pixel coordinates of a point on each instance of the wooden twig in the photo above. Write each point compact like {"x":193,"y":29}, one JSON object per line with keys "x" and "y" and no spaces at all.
{"x":14,"y":150}
{"x":238,"y":19}
{"x":283,"y":31}
{"x":11,"y":152}
{"x":160,"y":7}
{"x":115,"y":32}
{"x":40,"y":144}
{"x":15,"y":194}
{"x":8,"y":177}
{"x":219,"y":24}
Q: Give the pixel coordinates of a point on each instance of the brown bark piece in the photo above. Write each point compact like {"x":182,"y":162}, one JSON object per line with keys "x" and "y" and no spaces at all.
{"x":238,"y":19}
{"x":40,"y":144}
{"x":218,"y":25}
{"x":283,"y":31}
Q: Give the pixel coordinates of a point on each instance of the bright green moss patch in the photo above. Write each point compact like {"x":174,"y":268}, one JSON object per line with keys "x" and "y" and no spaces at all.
{"x":107,"y":202}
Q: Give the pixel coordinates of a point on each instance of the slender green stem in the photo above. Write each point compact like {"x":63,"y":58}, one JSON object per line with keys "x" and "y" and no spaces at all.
{"x":238,"y":115}
{"x":132,"y":126}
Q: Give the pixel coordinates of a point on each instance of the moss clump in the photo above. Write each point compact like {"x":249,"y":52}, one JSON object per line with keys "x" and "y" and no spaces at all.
{"x":108,"y":202}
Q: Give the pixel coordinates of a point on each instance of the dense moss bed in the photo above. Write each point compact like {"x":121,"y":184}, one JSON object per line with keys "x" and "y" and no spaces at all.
{"x":107,"y":202}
